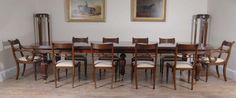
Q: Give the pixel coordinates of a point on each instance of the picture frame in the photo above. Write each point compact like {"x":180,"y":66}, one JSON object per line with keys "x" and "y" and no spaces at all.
{"x":148,"y":10}
{"x":86,"y":10}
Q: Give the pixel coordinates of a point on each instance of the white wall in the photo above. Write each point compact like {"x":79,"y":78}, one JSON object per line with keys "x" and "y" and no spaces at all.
{"x":118,"y":22}
{"x":223,"y":27}
{"x":16,"y":21}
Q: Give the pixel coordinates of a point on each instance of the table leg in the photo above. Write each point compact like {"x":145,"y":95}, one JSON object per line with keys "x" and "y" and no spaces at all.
{"x":198,"y":69}
{"x":44,"y":67}
{"x":122,"y":63}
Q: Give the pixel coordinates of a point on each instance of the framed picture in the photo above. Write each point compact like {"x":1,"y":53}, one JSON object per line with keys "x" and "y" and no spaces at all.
{"x":148,"y":10}
{"x":86,"y":10}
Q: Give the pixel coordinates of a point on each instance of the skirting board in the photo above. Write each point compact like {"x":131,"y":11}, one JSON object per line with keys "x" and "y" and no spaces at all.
{"x":11,"y":72}
{"x":231,"y":74}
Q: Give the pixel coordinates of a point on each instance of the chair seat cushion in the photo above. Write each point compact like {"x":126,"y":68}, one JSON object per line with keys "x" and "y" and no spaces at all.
{"x":103,"y":63}
{"x":181,"y":64}
{"x":184,"y":65}
{"x":145,"y":64}
{"x":217,"y":60}
{"x":64,"y":63}
{"x":36,"y":58}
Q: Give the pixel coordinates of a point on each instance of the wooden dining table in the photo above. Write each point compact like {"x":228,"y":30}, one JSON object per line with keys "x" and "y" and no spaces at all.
{"x":122,"y":47}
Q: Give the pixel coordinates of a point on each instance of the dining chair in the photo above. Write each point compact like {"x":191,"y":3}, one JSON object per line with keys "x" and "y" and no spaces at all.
{"x":97,"y":49}
{"x":191,"y":51}
{"x":218,"y":57}
{"x":81,"y":56}
{"x":63,"y":51}
{"x":24,"y":56}
{"x":144,"y":63}
{"x":144,"y":56}
{"x":165,"y":57}
{"x":114,"y":40}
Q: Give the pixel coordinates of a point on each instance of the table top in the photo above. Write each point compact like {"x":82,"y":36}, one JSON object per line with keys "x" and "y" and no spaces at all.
{"x":121,"y":47}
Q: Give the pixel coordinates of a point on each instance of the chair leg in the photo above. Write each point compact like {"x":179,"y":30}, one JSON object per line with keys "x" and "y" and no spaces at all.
{"x":66,"y":73}
{"x":100,"y":74}
{"x":79,"y":72}
{"x":58,"y":75}
{"x":146,"y":74}
{"x":85,"y":69}
{"x":23,"y":70}
{"x":132,"y":73}
{"x":112,"y":77}
{"x":55,"y":76}
{"x":217,"y":71}
{"x":174,"y":78}
{"x":94,"y":77}
{"x":116,"y":70}
{"x":17,"y":70}
{"x":151,"y":73}
{"x":73,"y":77}
{"x":167,"y":74}
{"x":154,"y":77}
{"x":161,"y":68}
{"x":189,"y":76}
{"x":35,"y":72}
{"x":136,"y":78}
{"x":192,"y":79}
{"x":207,"y":72}
{"x":224,"y":72}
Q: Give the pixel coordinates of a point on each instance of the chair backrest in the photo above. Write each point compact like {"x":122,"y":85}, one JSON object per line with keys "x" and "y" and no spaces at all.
{"x":226,"y":47}
{"x":166,"y":40}
{"x":141,"y":48}
{"x":139,"y":40}
{"x":112,"y":40}
{"x":102,"y":48}
{"x":190,"y":52}
{"x":80,"y":40}
{"x":15,"y":44}
{"x":62,"y":51}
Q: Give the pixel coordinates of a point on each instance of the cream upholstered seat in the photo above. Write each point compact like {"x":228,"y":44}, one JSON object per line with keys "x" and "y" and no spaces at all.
{"x":64,"y":63}
{"x":216,"y":60}
{"x":144,"y":64}
{"x":181,"y":64}
{"x":103,"y":63}
{"x":26,"y":58}
{"x":190,"y":50}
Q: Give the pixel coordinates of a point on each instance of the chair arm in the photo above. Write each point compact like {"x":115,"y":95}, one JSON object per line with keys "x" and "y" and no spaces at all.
{"x":29,"y":54}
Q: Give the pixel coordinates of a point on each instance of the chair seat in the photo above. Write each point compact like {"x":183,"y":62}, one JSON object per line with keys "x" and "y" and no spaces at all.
{"x":182,"y":64}
{"x":145,"y":64}
{"x":103,"y":63}
{"x":65,"y":63}
{"x":218,"y":60}
{"x":36,"y":58}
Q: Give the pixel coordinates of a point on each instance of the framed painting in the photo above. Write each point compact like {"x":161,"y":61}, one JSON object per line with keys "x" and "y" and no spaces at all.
{"x":148,"y":10}
{"x":86,"y":10}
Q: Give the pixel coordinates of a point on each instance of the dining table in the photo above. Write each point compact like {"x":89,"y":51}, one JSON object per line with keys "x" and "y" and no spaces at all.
{"x":123,"y":47}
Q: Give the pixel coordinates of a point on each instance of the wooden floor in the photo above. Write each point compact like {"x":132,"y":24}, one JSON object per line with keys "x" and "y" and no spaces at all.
{"x":27,"y":87}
